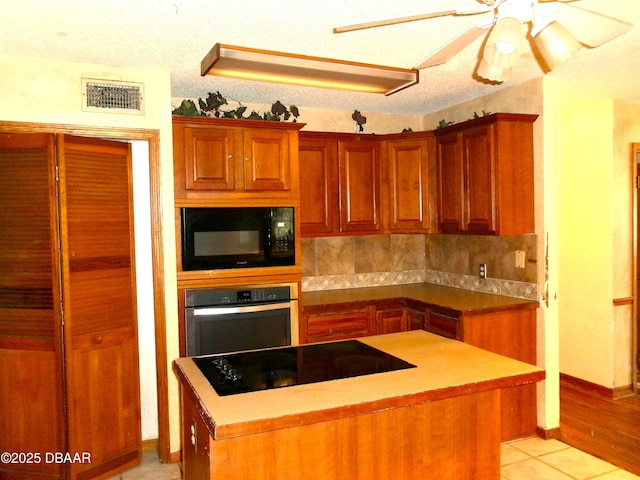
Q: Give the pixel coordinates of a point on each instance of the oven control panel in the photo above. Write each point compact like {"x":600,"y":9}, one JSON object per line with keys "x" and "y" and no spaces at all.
{"x":207,"y":297}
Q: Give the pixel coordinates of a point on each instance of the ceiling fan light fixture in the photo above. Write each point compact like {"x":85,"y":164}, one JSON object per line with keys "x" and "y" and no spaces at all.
{"x":491,"y":73}
{"x":556,"y":44}
{"x":504,"y":44}
{"x":277,"y":67}
{"x":502,"y":50}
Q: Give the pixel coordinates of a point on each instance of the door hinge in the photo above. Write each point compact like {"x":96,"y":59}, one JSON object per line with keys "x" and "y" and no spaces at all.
{"x":637,"y":181}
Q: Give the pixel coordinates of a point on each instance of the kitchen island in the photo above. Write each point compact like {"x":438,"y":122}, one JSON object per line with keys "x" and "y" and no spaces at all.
{"x":440,"y":420}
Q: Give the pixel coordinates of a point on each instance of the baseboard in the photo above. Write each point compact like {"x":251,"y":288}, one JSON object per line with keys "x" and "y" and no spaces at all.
{"x":548,"y":434}
{"x":594,"y":388}
{"x":150,"y":445}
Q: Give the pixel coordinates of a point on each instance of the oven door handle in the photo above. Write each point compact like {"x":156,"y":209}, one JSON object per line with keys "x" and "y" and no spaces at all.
{"x":243,"y":309}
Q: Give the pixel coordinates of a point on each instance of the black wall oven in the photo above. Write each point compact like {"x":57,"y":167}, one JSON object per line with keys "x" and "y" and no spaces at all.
{"x":237,"y":237}
{"x":222,"y":320}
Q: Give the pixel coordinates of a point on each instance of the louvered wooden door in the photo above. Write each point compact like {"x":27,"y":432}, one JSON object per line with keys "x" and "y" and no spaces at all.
{"x":31,"y":373}
{"x":89,"y":345}
{"x":96,"y":219}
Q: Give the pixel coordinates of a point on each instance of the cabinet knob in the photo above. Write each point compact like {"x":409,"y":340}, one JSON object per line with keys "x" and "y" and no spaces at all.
{"x":246,"y":159}
{"x":97,"y":340}
{"x":230,"y":156}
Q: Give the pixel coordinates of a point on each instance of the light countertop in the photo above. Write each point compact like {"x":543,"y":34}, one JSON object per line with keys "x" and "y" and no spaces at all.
{"x":445,"y":368}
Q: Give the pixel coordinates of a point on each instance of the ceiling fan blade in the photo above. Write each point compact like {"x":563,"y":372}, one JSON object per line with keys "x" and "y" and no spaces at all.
{"x":392,"y":21}
{"x":455,"y":45}
{"x":590,"y":28}
{"x":468,"y":10}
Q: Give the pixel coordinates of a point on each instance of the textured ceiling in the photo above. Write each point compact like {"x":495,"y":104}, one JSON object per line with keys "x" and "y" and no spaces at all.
{"x":174,"y":35}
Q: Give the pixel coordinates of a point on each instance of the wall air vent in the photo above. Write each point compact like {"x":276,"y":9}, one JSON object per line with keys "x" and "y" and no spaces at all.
{"x":112,"y":97}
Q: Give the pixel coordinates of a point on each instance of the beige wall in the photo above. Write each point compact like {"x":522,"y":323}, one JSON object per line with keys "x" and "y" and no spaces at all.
{"x":585,"y":227}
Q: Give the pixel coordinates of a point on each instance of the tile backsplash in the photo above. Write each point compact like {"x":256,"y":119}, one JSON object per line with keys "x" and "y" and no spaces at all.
{"x":330,"y":263}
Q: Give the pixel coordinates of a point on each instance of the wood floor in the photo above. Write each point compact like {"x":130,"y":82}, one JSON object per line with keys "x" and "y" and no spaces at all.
{"x":606,"y":428}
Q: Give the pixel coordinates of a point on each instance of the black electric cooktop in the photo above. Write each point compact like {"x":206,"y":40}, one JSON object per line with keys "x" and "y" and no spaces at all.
{"x":250,"y":371}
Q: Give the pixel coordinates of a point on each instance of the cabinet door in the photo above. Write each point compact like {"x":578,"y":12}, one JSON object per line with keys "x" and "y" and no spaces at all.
{"x":416,"y":319}
{"x":359,"y":186}
{"x":444,"y":324}
{"x":266,"y":161}
{"x":391,"y":321}
{"x":480,"y":185}
{"x":318,"y":177}
{"x":338,"y":324}
{"x":209,"y":159}
{"x":451,"y":202}
{"x":408,"y":185}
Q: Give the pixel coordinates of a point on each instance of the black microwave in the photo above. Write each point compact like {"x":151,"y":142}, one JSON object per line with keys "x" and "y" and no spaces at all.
{"x":237,"y":237}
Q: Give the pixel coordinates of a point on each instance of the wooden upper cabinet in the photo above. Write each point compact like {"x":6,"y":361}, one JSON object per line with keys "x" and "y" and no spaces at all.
{"x":266,"y":159}
{"x":367,"y":184}
{"x":319,"y":179}
{"x":451,"y":202}
{"x":209,"y":157}
{"x":340,"y":179}
{"x":407,"y":190}
{"x":359,"y":170}
{"x":485,"y":176}
{"x":479,"y":160}
{"x":235,"y":159}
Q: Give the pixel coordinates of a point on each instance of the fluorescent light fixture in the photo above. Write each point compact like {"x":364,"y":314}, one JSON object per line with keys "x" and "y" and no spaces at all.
{"x":276,"y":67}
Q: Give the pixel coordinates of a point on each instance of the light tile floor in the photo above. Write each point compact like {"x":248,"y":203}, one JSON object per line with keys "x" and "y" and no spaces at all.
{"x":150,"y":469}
{"x":526,"y":459}
{"x":537,"y":459}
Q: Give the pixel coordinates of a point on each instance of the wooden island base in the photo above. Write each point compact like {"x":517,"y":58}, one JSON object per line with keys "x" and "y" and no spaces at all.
{"x":439,"y":421}
{"x":452,"y":438}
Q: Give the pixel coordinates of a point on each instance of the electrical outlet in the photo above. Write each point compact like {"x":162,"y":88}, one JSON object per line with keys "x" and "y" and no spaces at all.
{"x":520,"y":258}
{"x":482,"y":271}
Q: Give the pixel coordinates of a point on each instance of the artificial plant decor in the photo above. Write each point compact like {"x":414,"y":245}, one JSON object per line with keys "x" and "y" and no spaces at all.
{"x":359,"y":119}
{"x":213,"y":105}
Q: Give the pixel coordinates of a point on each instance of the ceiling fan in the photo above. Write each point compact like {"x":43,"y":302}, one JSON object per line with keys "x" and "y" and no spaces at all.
{"x":558,"y":30}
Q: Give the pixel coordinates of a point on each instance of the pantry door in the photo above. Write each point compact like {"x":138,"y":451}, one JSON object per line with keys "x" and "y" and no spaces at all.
{"x":99,"y":304}
{"x":32,"y":421}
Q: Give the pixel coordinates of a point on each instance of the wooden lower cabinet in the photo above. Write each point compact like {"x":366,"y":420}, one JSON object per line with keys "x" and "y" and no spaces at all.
{"x":337,"y":323}
{"x":391,"y":320}
{"x":444,"y":323}
{"x":512,"y":334}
